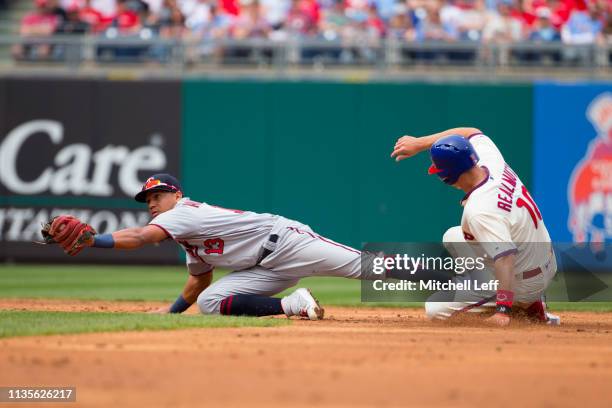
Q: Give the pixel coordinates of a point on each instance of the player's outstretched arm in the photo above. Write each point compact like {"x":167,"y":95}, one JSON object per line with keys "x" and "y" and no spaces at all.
{"x":193,"y":287}
{"x":74,"y":235}
{"x":129,"y":238}
{"x":408,"y":146}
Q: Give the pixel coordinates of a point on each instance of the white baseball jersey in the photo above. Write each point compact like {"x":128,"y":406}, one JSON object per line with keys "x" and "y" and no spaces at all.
{"x":501,"y":215}
{"x":216,"y":236}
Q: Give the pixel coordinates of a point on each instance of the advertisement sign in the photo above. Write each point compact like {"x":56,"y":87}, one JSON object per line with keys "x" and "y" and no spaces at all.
{"x":83,"y":147}
{"x":573,"y":160}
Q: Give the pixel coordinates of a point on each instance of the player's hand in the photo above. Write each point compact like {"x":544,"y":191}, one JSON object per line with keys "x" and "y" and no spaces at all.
{"x":160,"y":310}
{"x":499,"y":320}
{"x":405,"y":147}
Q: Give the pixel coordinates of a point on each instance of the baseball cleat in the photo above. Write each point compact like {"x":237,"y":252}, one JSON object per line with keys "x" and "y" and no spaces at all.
{"x":552,"y":319}
{"x":302,"y":303}
{"x":537,"y":311}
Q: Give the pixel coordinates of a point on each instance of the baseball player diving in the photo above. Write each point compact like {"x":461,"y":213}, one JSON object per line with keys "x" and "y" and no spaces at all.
{"x":500,"y":220}
{"x":266,"y":253}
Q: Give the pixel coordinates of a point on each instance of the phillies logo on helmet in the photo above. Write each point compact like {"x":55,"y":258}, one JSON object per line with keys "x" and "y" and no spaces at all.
{"x":590,"y":186}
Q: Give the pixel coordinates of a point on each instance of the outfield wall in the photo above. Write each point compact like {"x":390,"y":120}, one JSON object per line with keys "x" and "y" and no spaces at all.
{"x":314,"y":151}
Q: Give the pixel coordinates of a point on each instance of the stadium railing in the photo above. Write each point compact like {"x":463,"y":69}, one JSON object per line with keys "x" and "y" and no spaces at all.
{"x":76,"y":51}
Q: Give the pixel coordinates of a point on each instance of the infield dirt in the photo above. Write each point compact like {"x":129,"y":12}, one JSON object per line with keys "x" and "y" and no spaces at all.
{"x":357,"y":357}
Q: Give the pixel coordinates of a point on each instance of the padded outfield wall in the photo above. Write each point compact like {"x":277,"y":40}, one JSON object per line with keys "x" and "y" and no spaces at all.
{"x":314,"y":151}
{"x":319,"y":152}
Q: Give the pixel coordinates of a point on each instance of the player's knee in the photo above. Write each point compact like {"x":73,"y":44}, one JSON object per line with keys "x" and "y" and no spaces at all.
{"x":453,"y":241}
{"x":453,"y":234}
{"x":209,"y":303}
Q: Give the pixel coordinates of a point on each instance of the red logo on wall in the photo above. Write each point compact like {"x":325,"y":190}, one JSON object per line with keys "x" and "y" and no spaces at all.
{"x":590,"y":186}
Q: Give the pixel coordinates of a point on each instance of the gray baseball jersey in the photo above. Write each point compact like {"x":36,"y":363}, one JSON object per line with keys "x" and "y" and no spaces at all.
{"x":233,"y":239}
{"x":216,"y":236}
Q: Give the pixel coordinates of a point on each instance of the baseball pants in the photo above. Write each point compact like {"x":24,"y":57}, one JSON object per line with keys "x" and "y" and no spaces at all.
{"x":299,"y":253}
{"x":526,"y":291}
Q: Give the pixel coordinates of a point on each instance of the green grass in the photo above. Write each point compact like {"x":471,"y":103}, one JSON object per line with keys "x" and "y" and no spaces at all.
{"x":90,"y":282}
{"x":156,"y":283}
{"x":580,"y":306}
{"x":18,"y":323}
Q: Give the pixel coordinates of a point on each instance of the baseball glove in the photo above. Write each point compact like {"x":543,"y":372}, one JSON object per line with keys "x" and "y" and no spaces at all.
{"x":68,"y":231}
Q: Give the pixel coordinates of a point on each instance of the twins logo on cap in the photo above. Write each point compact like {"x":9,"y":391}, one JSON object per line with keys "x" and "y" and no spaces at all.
{"x":158,"y":182}
{"x":153,"y":182}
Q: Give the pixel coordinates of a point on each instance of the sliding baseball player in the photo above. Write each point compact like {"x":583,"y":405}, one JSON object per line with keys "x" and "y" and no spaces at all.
{"x":499,"y":216}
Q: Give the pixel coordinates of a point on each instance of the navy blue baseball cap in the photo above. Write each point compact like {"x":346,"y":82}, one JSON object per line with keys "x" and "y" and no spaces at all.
{"x":158,"y":182}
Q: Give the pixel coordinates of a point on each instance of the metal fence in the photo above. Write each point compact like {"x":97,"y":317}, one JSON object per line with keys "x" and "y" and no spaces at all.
{"x":78,"y":51}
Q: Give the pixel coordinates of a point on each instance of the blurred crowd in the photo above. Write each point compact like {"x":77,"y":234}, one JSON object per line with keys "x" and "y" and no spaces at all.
{"x":567,"y":21}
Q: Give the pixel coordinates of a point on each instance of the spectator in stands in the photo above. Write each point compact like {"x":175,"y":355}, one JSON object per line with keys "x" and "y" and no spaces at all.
{"x":138,"y":5}
{"x":503,"y":26}
{"x":275,"y":12}
{"x":560,"y":11}
{"x":168,"y":14}
{"x":126,"y":21}
{"x":607,"y":30}
{"x":452,"y":17}
{"x":217,"y":27}
{"x":108,"y":8}
{"x":174,"y":27}
{"x":97,"y":22}
{"x":170,"y":22}
{"x":148,"y":22}
{"x":302,"y":18}
{"x":73,"y":23}
{"x":357,"y":22}
{"x":40,"y":23}
{"x":400,"y":24}
{"x":543,"y":28}
{"x":199,"y":16}
{"x":219,"y":24}
{"x":229,"y":7}
{"x":251,"y":22}
{"x":583,"y":26}
{"x":473,"y":19}
{"x":357,"y":10}
{"x":430,"y":27}
{"x":58,"y":10}
{"x":334,"y":21}
{"x":375,"y":26}
{"x":386,"y":8}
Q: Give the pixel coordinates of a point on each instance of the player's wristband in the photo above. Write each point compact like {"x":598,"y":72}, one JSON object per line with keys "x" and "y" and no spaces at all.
{"x":503,"y":309}
{"x":504,"y":300}
{"x":104,"y":241}
{"x":180,"y":305}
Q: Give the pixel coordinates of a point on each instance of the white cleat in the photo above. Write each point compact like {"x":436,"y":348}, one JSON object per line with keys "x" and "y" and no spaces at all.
{"x":552,"y":319}
{"x":302,"y":303}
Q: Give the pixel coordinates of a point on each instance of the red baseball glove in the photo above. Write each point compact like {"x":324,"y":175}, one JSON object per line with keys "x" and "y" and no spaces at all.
{"x":68,"y":231}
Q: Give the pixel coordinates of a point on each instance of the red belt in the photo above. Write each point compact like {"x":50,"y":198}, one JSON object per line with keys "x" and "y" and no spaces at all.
{"x":532,"y":273}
